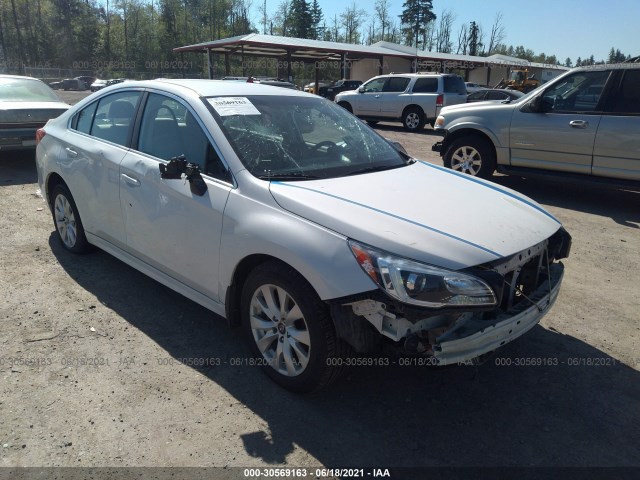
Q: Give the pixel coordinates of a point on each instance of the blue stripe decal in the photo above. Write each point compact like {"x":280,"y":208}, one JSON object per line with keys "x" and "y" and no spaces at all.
{"x":391,"y":215}
{"x":504,"y":192}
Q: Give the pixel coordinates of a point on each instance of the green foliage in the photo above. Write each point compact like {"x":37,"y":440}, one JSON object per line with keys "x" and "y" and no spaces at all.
{"x":415,"y":18}
{"x":475,"y":43}
{"x":132,"y":38}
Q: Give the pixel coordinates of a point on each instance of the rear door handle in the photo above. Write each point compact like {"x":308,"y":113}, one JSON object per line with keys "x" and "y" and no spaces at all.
{"x":134,"y":182}
{"x":72,"y":153}
{"x":579,"y":124}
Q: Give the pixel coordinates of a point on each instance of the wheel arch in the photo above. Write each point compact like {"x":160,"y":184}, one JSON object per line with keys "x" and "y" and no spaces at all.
{"x":467,"y":132}
{"x":242,"y":271}
{"x":52,"y":180}
{"x":414,"y":106}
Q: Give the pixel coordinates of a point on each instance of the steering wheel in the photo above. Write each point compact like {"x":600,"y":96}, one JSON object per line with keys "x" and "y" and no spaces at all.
{"x":168,"y":109}
{"x":324,"y":143}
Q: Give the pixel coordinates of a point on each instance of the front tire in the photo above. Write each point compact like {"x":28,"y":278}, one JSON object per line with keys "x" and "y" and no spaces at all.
{"x":289,"y":328}
{"x":67,"y":220}
{"x":413,"y":119}
{"x":472,"y":155}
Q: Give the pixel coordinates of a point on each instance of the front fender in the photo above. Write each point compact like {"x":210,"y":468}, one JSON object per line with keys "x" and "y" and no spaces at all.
{"x":261,"y":227}
{"x":477,"y":124}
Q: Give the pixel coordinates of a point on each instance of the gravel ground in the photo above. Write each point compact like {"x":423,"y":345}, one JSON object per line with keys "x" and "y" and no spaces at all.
{"x":97,"y":362}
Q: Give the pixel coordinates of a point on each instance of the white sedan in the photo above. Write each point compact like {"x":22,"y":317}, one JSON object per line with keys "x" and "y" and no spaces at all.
{"x":290,"y":217}
{"x":26,"y":104}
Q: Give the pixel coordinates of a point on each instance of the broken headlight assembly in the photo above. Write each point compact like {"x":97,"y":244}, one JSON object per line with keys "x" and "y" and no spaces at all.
{"x":420,"y":284}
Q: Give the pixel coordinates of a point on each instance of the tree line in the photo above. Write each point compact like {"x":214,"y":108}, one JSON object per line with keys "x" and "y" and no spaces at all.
{"x":136,"y":37}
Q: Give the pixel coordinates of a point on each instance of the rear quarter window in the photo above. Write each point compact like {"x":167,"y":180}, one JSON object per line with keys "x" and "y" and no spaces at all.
{"x":454,"y":84}
{"x":426,"y":85}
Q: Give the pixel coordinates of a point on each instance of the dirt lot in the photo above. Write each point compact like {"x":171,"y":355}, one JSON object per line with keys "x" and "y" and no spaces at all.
{"x":96,"y":362}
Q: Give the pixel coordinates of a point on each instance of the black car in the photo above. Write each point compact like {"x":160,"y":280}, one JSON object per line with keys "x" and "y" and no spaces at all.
{"x":338,"y":86}
{"x":494,"y":94}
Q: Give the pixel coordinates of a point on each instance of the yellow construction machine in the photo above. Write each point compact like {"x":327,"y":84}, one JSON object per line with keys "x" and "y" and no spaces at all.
{"x":519,"y":80}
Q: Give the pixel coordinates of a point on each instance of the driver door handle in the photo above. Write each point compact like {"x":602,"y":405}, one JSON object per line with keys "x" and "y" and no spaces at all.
{"x":579,"y":123}
{"x":134,"y":182}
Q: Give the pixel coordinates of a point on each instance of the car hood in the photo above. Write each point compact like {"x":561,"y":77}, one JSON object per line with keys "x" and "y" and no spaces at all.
{"x":423,"y":212}
{"x":478,"y":106}
{"x":33,"y":105}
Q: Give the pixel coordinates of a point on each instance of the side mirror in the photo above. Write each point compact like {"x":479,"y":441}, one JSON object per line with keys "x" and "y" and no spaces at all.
{"x":361,"y":89}
{"x":541,"y":104}
{"x":397,"y":145}
{"x":179,"y":166}
{"x":535,"y":104}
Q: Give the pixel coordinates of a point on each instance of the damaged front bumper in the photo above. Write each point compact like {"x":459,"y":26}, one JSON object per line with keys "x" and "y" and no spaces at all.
{"x":447,"y":337}
{"x":472,"y":339}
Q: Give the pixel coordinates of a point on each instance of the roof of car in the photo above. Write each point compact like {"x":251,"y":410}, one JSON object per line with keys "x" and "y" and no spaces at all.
{"x":20,"y":77}
{"x":208,"y":88}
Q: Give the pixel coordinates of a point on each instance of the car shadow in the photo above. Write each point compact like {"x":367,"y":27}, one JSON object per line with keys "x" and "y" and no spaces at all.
{"x":622,"y":204}
{"x":575,"y":406}
{"x":18,"y":167}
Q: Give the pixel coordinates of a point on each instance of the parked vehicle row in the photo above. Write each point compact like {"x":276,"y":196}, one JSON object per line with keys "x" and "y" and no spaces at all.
{"x":26,"y":104}
{"x":77,"y":83}
{"x":99,"y":84}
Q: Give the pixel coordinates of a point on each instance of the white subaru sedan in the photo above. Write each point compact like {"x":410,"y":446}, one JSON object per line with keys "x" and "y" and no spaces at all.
{"x":287,"y":215}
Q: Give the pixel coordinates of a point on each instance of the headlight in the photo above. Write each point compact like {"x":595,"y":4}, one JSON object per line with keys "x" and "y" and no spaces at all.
{"x":421,"y":284}
{"x":439,"y":122}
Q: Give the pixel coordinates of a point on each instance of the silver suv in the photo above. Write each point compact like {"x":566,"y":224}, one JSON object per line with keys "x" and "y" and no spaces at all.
{"x":411,"y":98}
{"x":584,"y":123}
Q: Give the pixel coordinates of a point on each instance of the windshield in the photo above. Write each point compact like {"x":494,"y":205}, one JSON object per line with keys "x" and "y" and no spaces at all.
{"x":19,"y":90}
{"x":294,"y":137}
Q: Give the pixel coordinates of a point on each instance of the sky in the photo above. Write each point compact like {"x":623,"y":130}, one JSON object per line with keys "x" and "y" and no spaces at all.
{"x":564,"y":28}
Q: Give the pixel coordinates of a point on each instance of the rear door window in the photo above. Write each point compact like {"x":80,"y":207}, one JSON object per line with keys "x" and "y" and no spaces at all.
{"x":396,"y":84}
{"x":110,"y":118}
{"x":626,"y":98}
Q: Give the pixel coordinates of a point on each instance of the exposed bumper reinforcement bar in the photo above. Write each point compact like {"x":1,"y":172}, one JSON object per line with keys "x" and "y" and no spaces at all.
{"x":503,"y":330}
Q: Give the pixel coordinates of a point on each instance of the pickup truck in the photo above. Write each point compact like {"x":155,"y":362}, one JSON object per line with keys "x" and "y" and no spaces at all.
{"x":583,"y":124}
{"x":411,"y":98}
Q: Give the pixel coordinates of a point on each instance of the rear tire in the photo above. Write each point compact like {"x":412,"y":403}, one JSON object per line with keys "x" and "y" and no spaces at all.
{"x":67,"y":220}
{"x":289,"y":329}
{"x":413,"y":119}
{"x":472,"y":155}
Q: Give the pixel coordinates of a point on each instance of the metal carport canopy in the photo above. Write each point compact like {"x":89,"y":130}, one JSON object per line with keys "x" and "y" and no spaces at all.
{"x":300,"y":48}
{"x":293,"y":49}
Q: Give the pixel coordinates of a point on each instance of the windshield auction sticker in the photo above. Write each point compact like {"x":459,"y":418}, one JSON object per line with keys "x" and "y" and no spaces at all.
{"x":226,"y":106}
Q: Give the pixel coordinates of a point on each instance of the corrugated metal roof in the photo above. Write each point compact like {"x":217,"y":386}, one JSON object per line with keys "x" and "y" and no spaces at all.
{"x":273,"y":45}
{"x":255,"y":40}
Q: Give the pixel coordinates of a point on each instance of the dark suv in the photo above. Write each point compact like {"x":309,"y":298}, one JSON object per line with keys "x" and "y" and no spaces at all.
{"x":330,"y":91}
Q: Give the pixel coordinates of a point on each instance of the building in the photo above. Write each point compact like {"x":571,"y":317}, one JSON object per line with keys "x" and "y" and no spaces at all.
{"x":359,"y":62}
